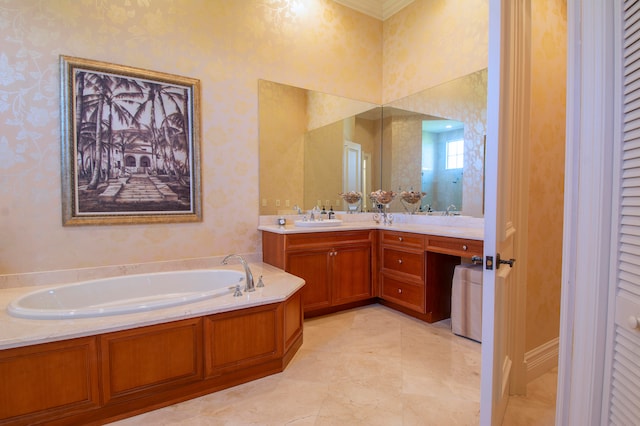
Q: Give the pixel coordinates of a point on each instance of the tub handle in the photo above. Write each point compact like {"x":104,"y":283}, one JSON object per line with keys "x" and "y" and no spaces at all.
{"x":237,"y":293}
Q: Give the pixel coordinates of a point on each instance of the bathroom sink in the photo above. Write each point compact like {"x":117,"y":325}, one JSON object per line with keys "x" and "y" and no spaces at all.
{"x":318,"y":223}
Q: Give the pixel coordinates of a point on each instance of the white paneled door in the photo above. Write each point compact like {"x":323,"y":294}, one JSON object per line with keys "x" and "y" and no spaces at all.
{"x":507,"y":144}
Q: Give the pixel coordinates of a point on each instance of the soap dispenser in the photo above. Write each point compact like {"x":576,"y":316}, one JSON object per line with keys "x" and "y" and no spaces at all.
{"x":331,"y":213}
{"x":323,"y":211}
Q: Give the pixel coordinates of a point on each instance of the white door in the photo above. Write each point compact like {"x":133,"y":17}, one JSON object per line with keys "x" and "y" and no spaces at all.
{"x":366,"y":179}
{"x":621,"y":405}
{"x":507,"y":133}
{"x":352,"y":167}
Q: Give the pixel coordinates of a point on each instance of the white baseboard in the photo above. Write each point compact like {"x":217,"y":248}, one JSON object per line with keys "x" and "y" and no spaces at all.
{"x":541,"y":359}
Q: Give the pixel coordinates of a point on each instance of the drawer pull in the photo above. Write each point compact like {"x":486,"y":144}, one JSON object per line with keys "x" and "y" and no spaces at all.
{"x":464,"y":248}
{"x":400,"y":239}
{"x":400,"y":261}
{"x":400,"y":291}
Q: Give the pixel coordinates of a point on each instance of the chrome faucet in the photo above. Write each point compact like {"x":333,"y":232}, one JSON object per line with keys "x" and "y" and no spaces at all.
{"x":249,"y":285}
{"x":449,"y":209}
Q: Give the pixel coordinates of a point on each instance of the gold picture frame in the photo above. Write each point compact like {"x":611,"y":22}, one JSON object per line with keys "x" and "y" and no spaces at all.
{"x":130,"y":145}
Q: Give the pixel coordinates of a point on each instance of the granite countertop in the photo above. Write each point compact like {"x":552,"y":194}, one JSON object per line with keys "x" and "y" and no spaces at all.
{"x":445,"y":226}
{"x":17,"y":332}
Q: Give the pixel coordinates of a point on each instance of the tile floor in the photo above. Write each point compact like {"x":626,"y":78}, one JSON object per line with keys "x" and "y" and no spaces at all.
{"x":367,"y":366}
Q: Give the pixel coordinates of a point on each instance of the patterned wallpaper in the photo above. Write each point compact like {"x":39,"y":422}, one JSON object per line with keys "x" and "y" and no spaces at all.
{"x":228,"y":45}
{"x":433,"y":41}
{"x":546,"y":169}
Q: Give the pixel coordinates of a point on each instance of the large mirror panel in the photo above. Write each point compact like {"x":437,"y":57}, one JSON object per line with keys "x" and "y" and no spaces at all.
{"x":433,"y":141}
{"x":314,"y":146}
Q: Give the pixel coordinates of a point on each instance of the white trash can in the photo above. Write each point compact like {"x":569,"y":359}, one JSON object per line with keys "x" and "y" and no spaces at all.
{"x":466,"y":301}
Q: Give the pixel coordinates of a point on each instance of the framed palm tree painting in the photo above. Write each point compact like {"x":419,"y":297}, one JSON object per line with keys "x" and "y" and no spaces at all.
{"x":130,"y":145}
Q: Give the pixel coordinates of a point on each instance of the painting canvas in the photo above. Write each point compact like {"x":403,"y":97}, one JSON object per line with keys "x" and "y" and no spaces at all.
{"x":130,"y":145}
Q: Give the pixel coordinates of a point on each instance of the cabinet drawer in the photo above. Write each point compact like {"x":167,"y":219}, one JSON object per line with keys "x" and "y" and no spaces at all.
{"x":403,"y":261}
{"x":409,"y":295}
{"x":402,"y":239}
{"x":455,"y":246}
{"x":326,"y":239}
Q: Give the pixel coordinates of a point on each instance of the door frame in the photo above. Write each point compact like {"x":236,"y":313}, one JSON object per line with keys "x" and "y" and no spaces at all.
{"x":587,"y":212}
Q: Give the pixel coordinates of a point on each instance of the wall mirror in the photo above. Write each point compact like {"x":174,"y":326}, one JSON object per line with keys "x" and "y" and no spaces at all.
{"x":434,"y":141}
{"x":314,"y":146}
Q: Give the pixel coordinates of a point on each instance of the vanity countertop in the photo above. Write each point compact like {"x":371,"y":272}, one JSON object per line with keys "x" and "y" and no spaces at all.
{"x":17,"y":332}
{"x":445,"y":226}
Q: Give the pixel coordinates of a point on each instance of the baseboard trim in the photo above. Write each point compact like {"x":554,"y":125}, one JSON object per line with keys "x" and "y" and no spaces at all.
{"x":541,"y":359}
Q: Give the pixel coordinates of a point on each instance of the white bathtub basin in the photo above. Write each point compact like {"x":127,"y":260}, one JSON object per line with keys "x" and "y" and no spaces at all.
{"x":125,"y":294}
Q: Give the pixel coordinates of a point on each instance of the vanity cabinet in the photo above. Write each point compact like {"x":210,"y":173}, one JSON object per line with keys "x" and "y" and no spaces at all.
{"x":416,"y":271}
{"x":336,"y":266}
{"x":402,"y":269}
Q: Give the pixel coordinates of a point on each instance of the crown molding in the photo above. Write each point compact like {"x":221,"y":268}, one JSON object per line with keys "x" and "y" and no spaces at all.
{"x":379,"y":9}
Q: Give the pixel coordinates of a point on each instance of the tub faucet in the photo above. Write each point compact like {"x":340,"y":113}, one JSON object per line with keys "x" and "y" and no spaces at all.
{"x":249,"y":285}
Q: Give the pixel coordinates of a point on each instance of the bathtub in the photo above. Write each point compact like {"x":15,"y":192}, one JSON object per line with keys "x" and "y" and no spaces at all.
{"x":125,"y":294}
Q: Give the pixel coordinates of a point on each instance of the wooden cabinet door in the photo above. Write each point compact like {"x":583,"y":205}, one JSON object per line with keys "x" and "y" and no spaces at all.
{"x":45,"y":381}
{"x":242,"y":339}
{"x":313,"y":267}
{"x":351,"y":273}
{"x":150,"y":359}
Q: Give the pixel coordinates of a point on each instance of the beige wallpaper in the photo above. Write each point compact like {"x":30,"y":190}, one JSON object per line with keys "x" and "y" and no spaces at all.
{"x":546,"y":170}
{"x":433,"y":41}
{"x":228,"y":45}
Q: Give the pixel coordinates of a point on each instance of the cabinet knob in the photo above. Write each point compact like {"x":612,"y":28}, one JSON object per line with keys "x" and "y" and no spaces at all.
{"x":399,"y":290}
{"x":400,"y":239}
{"x":400,"y":261}
{"x":464,"y":248}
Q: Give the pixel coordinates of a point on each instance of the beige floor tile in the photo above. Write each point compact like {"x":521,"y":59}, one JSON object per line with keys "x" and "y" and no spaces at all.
{"x":366,"y":366}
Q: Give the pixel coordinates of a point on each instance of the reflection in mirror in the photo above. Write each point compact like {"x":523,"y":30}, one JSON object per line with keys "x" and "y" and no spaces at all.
{"x":420,"y":152}
{"x":314,"y":146}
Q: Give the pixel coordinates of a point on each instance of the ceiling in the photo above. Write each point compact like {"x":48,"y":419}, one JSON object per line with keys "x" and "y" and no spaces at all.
{"x":380,"y":9}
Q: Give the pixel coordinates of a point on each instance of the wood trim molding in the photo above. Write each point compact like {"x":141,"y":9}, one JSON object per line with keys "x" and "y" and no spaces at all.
{"x":542,"y":359}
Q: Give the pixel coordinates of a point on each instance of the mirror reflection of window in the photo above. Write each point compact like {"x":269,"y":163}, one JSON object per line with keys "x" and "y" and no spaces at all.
{"x":442,"y":163}
{"x":455,"y":154}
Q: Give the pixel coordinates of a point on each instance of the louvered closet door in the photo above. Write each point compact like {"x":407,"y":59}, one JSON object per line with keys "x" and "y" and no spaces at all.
{"x":624,"y":344}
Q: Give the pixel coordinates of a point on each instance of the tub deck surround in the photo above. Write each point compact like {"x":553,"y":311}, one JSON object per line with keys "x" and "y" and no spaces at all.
{"x":97,"y":370}
{"x":18,"y":332}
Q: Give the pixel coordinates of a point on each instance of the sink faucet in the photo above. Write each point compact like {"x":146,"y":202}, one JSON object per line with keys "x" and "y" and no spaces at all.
{"x":249,"y":286}
{"x":451,"y":208}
